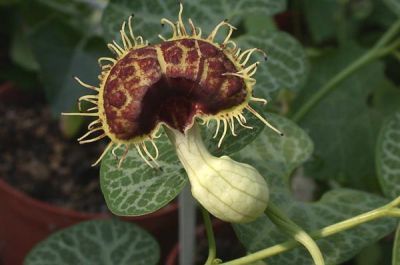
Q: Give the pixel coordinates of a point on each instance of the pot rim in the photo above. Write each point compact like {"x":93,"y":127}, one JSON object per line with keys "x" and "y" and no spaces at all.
{"x":7,"y":189}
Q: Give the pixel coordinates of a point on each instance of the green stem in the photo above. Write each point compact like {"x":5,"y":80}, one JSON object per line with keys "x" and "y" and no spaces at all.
{"x":383,"y":211}
{"x":282,"y":221}
{"x":394,"y":213}
{"x":212,"y":250}
{"x":389,"y":49}
{"x":369,"y":56}
{"x":388,"y":35}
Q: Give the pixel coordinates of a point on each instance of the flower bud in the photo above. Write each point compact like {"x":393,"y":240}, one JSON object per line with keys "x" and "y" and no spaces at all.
{"x":232,"y":191}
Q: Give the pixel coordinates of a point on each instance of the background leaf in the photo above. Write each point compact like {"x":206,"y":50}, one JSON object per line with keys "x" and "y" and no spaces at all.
{"x":205,"y":13}
{"x":63,"y":53}
{"x":344,"y":125}
{"x":388,"y":156}
{"x":287,"y":66}
{"x":276,"y":158}
{"x":393,"y":5}
{"x":320,"y":17}
{"x":333,"y":20}
{"x":98,"y":242}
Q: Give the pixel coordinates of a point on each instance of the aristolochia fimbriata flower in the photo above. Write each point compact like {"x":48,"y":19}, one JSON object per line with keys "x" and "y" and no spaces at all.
{"x":184,"y":78}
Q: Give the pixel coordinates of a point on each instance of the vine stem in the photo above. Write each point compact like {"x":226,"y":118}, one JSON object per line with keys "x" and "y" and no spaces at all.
{"x":212,"y":250}
{"x":282,"y":221}
{"x":374,"y":53}
{"x":384,"y":211}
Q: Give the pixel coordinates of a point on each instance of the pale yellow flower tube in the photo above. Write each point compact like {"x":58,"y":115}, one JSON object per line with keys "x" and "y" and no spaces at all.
{"x":232,"y":191}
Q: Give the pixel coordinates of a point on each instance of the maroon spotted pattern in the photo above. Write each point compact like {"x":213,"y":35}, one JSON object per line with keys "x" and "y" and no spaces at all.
{"x":143,"y":90}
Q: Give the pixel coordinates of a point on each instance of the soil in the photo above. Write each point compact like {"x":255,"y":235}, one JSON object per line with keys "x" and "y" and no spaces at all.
{"x":36,"y":159}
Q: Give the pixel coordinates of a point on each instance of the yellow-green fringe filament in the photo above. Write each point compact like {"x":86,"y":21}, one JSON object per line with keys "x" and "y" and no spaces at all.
{"x":86,"y":85}
{"x":89,"y":133}
{"x":123,"y":157}
{"x":255,"y":113}
{"x":103,"y":154}
{"x":261,"y":100}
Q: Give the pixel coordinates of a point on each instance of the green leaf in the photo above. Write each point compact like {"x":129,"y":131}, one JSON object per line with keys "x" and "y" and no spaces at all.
{"x":388,"y":156}
{"x":282,"y":154}
{"x":381,"y":15}
{"x":287,"y":66}
{"x":205,"y":13}
{"x":396,"y":247}
{"x":277,"y":158}
{"x":344,"y":125}
{"x":328,"y":19}
{"x":320,"y":17}
{"x":21,"y":53}
{"x":393,"y":5}
{"x":83,"y":15}
{"x":98,"y":242}
{"x":63,"y":53}
{"x":135,"y":188}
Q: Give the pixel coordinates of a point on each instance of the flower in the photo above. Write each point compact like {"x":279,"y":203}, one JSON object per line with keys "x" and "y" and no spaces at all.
{"x":186,"y":76}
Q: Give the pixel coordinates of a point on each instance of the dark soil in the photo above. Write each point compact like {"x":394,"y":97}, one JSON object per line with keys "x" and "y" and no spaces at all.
{"x":36,"y":159}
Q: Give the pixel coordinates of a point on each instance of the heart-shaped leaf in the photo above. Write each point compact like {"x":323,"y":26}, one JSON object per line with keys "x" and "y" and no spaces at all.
{"x":137,"y":189}
{"x":388,"y":156}
{"x":276,"y":158}
{"x":344,"y":125}
{"x":63,"y":53}
{"x":97,"y":242}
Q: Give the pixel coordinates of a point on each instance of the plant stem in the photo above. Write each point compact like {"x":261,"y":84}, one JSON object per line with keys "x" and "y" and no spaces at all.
{"x":369,"y":56}
{"x":389,"y":49}
{"x":388,"y":35}
{"x":383,"y":211}
{"x":282,"y":221}
{"x":212,"y":250}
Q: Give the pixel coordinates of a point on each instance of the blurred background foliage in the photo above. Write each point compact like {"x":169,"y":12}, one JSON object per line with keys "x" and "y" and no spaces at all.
{"x":45,"y":43}
{"x":49,"y":42}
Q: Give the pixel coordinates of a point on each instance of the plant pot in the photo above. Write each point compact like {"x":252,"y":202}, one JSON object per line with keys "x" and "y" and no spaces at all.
{"x":222,"y":230}
{"x":25,"y":221}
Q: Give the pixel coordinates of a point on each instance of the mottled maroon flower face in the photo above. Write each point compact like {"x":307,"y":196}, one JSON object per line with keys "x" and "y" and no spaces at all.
{"x":170,"y":83}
